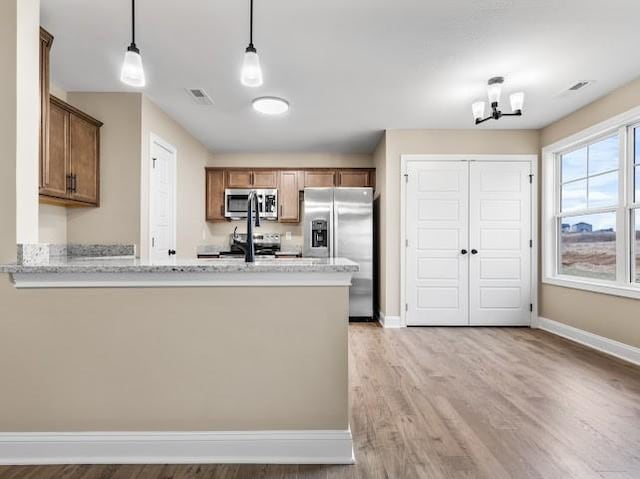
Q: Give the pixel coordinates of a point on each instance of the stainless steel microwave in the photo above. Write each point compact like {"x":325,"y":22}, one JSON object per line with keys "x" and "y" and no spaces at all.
{"x":235,"y":203}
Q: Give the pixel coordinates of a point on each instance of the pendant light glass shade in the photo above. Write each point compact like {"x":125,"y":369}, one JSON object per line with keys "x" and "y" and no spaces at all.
{"x":478,"y":110}
{"x":132,"y":71}
{"x":251,"y":74}
{"x":517,"y":101}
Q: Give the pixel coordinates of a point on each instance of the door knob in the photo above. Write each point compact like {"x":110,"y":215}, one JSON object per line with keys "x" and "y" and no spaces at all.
{"x":474,"y":251}
{"x":464,"y":251}
{"x":172,"y":252}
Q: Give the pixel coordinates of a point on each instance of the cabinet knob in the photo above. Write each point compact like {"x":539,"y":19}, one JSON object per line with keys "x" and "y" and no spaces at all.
{"x":464,"y":251}
{"x":474,"y":251}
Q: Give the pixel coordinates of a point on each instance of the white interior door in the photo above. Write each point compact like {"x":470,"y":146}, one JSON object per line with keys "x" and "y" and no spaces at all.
{"x":437,"y":231}
{"x":162,"y":200}
{"x":500,"y":231}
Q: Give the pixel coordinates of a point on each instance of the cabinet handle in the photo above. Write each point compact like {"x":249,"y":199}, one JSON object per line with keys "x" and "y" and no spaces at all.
{"x":280,"y":210}
{"x":75,"y":183}
{"x":69,"y":180}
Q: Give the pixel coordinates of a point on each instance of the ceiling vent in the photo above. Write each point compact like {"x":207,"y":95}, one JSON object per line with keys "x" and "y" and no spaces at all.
{"x":199,"y":96}
{"x":579,"y":85}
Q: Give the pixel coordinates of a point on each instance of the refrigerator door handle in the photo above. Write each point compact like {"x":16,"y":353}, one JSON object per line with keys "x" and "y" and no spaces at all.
{"x":333,"y":228}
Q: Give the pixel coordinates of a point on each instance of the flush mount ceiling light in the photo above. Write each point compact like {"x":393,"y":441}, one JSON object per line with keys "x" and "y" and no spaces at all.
{"x":270,"y":105}
{"x":494,"y":91}
{"x":251,"y":74}
{"x":132,"y":72}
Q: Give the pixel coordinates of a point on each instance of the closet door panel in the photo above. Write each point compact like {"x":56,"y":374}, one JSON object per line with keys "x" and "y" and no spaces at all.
{"x":499,"y":230}
{"x":437,"y":232}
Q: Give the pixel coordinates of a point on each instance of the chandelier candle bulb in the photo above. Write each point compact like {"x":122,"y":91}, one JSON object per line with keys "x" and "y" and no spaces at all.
{"x":494,"y":89}
{"x":517,"y":101}
{"x":478,"y":110}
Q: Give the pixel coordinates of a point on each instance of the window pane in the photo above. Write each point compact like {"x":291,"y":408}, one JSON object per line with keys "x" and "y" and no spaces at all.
{"x":574,"y":195}
{"x":603,"y":155}
{"x":574,"y":165}
{"x":637,"y":181}
{"x":637,"y":145}
{"x":637,"y":237}
{"x":603,"y":190}
{"x":588,"y":246}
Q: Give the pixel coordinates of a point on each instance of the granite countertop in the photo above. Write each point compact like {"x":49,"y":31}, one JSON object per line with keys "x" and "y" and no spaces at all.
{"x":64,"y":264}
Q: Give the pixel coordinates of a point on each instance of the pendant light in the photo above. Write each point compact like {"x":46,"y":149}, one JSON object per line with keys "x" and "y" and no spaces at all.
{"x":132,"y":72}
{"x":251,"y":74}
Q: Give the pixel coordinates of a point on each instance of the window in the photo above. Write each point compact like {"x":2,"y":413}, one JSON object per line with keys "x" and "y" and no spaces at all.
{"x":587,"y":217}
{"x":591,"y":208}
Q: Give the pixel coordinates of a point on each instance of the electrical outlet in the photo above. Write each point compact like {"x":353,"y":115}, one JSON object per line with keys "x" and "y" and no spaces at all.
{"x":287,"y":235}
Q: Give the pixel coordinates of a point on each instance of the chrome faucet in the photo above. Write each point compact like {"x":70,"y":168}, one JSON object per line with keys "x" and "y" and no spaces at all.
{"x":248,"y":246}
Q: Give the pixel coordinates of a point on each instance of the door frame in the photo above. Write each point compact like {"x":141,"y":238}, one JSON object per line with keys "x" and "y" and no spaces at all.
{"x":413,"y":158}
{"x":153,"y":138}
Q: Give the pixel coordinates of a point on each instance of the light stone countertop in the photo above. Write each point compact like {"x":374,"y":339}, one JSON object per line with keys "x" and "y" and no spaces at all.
{"x":184,"y":265}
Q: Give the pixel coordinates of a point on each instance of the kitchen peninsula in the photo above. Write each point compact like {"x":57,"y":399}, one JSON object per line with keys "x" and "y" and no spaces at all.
{"x":239,"y":376}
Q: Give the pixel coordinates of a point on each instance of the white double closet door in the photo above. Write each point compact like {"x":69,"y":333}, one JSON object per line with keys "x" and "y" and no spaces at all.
{"x":468,"y":230}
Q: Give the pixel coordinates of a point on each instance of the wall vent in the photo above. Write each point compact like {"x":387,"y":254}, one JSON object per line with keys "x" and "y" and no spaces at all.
{"x":199,"y":96}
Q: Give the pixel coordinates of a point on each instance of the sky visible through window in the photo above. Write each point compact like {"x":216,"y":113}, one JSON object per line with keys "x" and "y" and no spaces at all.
{"x":590,"y":176}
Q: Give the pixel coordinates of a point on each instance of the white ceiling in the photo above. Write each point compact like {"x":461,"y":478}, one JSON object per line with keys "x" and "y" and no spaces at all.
{"x":349,"y":68}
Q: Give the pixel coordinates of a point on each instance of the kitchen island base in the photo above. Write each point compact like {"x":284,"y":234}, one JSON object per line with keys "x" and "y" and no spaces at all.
{"x":174,"y":374}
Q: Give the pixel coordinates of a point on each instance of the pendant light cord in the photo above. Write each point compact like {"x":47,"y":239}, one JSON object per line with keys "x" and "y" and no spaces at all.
{"x":133,"y":22}
{"x":251,"y":24}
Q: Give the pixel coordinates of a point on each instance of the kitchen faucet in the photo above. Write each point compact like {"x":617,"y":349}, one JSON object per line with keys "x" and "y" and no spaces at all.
{"x":249,"y":246}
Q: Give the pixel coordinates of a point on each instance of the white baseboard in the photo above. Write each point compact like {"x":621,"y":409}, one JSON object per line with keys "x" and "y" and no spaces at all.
{"x":241,"y":447}
{"x":605,"y":345}
{"x":389,"y":321}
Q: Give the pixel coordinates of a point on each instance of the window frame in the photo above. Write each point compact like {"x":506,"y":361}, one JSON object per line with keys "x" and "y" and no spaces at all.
{"x":552,"y":216}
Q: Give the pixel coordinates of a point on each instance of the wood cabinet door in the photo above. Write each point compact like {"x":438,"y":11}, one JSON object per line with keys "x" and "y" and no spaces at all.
{"x":265,"y":179}
{"x":215,"y":195}
{"x":239,"y":178}
{"x":84,"y":159}
{"x":319,"y":178}
{"x":54,"y":166}
{"x":288,"y":197}
{"x":46,"y":40}
{"x":354,"y":178}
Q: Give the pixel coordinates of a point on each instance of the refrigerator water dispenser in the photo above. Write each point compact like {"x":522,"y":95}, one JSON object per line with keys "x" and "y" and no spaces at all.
{"x":319,"y":236}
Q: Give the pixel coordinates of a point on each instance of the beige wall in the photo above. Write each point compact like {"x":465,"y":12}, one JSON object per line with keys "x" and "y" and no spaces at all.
{"x":52,"y":224}
{"x":218,"y":233}
{"x":399,"y":142}
{"x":119,"y":359}
{"x":118,"y":218}
{"x":609,"y":316}
{"x":27,"y":120}
{"x":8,"y":131}
{"x":192,"y":158}
{"x":381,"y":230}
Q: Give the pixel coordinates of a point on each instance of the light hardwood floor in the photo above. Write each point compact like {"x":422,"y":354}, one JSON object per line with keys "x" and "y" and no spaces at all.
{"x":459,"y":403}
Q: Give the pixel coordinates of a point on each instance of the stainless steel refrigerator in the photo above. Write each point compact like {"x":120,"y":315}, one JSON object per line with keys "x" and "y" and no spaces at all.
{"x":338,"y":222}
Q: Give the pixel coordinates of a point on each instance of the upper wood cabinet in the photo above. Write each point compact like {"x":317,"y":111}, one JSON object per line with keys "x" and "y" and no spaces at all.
{"x":265,"y":179}
{"x":46,"y":40}
{"x":70,"y":171}
{"x":319,"y":178}
{"x":54,"y":166}
{"x":289,"y":182}
{"x":354,"y":178}
{"x":69,"y":145}
{"x":238,"y":179}
{"x":288,"y":197}
{"x":245,"y":178}
{"x":215,"y":194}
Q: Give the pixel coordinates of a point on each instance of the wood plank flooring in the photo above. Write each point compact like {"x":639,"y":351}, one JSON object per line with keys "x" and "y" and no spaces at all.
{"x":458,"y":403}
